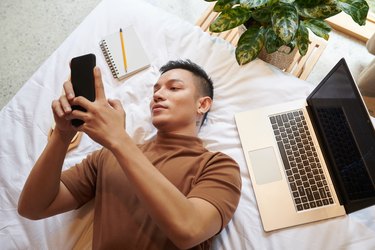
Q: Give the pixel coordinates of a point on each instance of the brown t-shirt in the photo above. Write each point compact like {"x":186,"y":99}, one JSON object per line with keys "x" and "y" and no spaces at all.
{"x":120,"y":221}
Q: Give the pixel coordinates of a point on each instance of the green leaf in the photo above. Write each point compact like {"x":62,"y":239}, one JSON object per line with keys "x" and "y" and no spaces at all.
{"x":225,"y":4}
{"x":321,"y":11}
{"x":284,"y":21}
{"x":249,"y":45}
{"x":229,"y":19}
{"x":291,"y":46}
{"x":302,"y":39}
{"x":250,"y":4}
{"x":271,"y":2}
{"x":262,"y":15}
{"x":357,"y":9}
{"x":318,"y":27}
{"x":287,"y":1}
{"x":272,"y":42}
{"x":309,"y":3}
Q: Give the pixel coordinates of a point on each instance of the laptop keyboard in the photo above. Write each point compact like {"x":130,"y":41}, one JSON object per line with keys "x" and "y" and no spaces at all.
{"x":304,"y":172}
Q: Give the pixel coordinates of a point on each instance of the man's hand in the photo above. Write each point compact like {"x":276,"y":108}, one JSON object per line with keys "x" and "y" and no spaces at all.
{"x":104,"y":120}
{"x":61,"y":109}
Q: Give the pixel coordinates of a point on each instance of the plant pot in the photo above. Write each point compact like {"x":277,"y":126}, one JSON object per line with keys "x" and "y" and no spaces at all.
{"x":282,"y":58}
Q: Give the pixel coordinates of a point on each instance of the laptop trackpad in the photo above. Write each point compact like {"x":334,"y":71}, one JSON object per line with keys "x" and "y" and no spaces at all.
{"x":265,"y":166}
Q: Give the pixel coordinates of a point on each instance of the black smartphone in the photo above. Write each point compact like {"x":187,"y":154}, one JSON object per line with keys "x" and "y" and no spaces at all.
{"x":82,"y":78}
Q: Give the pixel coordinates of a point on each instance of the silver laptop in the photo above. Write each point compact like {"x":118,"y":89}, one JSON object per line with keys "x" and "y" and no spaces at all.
{"x":311,"y":159}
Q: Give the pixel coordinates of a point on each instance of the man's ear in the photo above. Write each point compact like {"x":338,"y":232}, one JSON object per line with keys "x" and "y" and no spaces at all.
{"x":205,"y":103}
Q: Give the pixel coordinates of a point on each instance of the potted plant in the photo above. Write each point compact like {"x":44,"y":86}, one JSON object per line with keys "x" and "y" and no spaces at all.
{"x":272,"y":24}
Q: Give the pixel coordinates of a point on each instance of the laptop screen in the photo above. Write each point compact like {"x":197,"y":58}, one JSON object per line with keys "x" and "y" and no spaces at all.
{"x":346,"y":132}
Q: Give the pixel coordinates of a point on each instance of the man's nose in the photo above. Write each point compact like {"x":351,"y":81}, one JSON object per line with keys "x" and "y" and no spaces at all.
{"x":158,"y":95}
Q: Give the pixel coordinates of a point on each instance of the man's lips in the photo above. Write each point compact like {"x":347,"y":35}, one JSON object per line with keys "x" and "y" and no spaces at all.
{"x":156,"y":107}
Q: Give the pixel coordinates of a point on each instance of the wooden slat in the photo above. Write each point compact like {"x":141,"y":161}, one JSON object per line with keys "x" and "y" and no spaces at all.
{"x":302,"y":66}
{"x":207,"y":18}
{"x":204,"y":16}
{"x":233,"y":37}
{"x":312,"y":60}
{"x":224,"y":34}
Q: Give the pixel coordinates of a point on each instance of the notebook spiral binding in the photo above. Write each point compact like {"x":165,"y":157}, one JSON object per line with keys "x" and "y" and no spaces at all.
{"x":108,"y":57}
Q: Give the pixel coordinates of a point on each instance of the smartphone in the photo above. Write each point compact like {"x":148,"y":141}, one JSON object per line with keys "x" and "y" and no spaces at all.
{"x":82,"y":78}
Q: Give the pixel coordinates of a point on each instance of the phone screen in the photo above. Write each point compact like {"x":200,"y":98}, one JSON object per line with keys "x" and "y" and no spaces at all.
{"x":82,"y":77}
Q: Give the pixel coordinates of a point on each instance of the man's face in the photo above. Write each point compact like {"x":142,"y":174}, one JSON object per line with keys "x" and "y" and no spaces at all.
{"x":175,"y":101}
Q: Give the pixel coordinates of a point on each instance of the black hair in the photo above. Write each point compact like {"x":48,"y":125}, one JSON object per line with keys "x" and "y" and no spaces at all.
{"x":205,"y":83}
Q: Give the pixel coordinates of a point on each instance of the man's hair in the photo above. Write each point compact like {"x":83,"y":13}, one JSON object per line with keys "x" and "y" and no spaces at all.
{"x":205,"y":85}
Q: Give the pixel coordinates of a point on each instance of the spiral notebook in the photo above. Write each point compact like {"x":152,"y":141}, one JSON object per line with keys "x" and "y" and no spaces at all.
{"x":136,"y":57}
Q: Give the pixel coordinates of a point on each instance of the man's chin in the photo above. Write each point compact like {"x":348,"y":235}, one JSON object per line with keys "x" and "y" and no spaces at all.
{"x":159,"y":123}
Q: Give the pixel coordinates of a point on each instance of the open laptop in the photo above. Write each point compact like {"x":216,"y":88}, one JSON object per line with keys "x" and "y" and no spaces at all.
{"x":311,"y":159}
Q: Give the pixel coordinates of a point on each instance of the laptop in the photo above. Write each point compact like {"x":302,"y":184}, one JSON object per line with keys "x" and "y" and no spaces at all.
{"x":311,"y":159}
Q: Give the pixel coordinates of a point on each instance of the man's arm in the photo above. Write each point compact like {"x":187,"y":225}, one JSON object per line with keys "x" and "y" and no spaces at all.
{"x":43,"y":194}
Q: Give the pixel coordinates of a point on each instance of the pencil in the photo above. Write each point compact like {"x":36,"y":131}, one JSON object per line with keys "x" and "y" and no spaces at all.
{"x":123,"y":51}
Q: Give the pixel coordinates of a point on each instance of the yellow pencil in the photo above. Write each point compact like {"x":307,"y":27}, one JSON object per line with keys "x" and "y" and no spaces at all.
{"x":123,"y":51}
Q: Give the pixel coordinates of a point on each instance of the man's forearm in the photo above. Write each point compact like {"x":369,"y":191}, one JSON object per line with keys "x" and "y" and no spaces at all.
{"x":43,"y":183}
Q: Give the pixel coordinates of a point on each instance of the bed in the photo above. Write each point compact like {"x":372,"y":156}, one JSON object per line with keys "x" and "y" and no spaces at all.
{"x":26,"y":121}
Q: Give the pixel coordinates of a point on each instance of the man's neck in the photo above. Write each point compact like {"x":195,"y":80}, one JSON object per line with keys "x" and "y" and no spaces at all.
{"x":187,"y":132}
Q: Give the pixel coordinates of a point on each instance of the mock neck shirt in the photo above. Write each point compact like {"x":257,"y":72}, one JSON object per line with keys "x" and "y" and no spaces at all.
{"x":120,"y":219}
{"x":164,"y":138}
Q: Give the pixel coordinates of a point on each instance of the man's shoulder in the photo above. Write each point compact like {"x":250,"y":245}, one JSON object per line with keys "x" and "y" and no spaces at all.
{"x":219,"y":155}
{"x":219,"y":162}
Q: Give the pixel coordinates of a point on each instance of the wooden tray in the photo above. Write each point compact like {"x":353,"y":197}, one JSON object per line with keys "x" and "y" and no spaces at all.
{"x":301,"y":67}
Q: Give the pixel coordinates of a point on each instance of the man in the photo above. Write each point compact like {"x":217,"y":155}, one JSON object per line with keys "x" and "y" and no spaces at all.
{"x":168,"y":193}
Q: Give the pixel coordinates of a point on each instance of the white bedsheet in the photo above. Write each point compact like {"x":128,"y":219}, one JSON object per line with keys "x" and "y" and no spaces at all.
{"x":26,"y":120}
